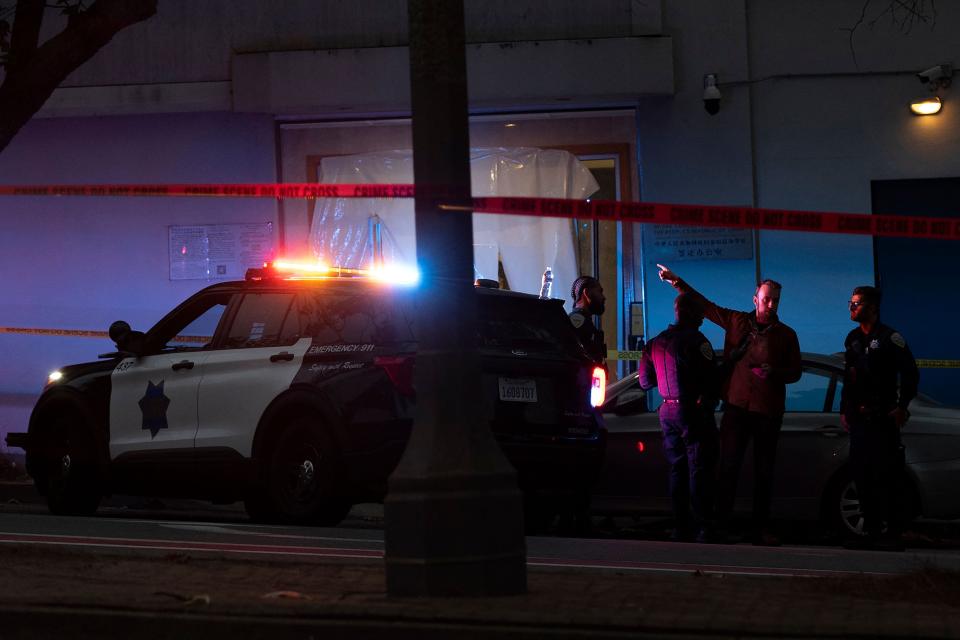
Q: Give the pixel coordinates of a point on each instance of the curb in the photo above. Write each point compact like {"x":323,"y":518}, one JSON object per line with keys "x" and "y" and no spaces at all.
{"x":19,"y":492}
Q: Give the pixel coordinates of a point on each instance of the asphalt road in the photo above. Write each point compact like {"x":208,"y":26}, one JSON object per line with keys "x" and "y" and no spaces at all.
{"x":146,"y":535}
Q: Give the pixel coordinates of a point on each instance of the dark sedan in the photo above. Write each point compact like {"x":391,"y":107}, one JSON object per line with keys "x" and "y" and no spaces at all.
{"x":812,"y":475}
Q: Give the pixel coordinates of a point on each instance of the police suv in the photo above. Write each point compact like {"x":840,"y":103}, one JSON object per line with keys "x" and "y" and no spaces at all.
{"x":295,"y":395}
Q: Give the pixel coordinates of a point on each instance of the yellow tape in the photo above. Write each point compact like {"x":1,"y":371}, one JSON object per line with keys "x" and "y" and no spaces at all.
{"x":921,"y":362}
{"x":938,"y":364}
{"x":86,"y":333}
{"x":623,"y":355}
{"x":81,"y":333}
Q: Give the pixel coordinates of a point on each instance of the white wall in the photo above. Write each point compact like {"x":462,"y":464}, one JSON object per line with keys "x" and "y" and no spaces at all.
{"x":82,"y":262}
{"x":689,"y":156}
{"x":194,"y":41}
{"x":780,"y":140}
{"x":809,"y":124}
{"x":822,"y":136}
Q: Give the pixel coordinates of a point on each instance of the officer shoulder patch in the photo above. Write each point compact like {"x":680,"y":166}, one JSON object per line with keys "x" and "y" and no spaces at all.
{"x":577,"y":319}
{"x":898,"y":340}
{"x":706,"y":350}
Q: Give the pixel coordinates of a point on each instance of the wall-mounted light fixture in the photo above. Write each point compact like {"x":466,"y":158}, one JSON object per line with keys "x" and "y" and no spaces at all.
{"x":926,"y":106}
{"x":936,"y":78}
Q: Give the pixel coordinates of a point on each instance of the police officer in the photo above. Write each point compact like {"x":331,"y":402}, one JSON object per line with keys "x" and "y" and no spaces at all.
{"x":680,"y":363}
{"x":761,"y":356}
{"x":588,"y":301}
{"x":874,"y":411}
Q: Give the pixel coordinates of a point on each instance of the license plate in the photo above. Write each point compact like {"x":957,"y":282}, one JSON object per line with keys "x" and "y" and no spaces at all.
{"x":518,"y":390}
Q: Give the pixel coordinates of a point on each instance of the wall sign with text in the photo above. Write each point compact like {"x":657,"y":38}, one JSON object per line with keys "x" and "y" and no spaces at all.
{"x":218,"y":251}
{"x":672,"y":242}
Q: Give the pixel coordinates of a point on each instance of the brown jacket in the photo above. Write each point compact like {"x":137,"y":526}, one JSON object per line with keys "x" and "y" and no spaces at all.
{"x":776,"y":345}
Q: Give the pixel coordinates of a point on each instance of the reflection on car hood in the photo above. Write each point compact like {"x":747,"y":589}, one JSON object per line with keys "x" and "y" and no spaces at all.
{"x":924,"y":409}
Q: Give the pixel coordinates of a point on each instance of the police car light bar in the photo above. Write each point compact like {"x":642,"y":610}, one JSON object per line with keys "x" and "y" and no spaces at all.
{"x":289,"y":270}
{"x":301,"y":268}
{"x":395,"y":274}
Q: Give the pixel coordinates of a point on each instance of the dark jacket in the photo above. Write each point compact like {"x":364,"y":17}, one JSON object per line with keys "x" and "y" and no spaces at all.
{"x":590,"y":337}
{"x":877,"y":364}
{"x":680,"y":363}
{"x":747,"y":345}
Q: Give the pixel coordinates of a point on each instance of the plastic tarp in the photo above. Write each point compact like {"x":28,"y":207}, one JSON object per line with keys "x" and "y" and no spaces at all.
{"x":340,"y":231}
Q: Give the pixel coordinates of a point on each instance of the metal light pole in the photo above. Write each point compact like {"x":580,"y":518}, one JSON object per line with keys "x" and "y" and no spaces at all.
{"x":453,"y":513}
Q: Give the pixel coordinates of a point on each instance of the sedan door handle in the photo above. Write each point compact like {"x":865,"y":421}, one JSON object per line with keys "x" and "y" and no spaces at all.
{"x":830,"y":431}
{"x":283,"y":355}
{"x":183,"y":364}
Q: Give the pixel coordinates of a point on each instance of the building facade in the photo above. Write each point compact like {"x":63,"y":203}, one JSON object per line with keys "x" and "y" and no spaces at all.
{"x":812,"y":116}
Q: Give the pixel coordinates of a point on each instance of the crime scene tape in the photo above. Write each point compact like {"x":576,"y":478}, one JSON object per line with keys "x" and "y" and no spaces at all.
{"x":644,"y":212}
{"x":85,"y":333}
{"x":612,"y":354}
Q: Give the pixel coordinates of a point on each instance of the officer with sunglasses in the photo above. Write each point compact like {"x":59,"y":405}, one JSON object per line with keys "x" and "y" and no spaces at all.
{"x":880,"y":380}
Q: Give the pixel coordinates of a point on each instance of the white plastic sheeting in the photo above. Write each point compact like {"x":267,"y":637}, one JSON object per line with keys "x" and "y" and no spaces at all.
{"x":340,"y":229}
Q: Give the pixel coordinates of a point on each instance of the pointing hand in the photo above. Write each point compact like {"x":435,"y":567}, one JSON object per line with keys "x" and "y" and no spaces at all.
{"x":666,"y":275}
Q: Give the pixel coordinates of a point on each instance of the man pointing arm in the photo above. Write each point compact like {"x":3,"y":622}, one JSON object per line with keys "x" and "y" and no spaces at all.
{"x":761,"y":356}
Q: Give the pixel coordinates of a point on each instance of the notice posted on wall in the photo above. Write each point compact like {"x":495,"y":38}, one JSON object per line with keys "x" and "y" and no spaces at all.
{"x":218,"y":251}
{"x":672,"y":242}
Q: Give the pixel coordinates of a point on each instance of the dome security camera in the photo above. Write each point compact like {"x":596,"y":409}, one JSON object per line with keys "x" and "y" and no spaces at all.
{"x":711,"y":94}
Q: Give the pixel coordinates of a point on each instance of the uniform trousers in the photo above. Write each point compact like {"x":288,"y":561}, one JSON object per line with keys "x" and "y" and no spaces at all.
{"x":876,"y":460}
{"x":690,"y":444}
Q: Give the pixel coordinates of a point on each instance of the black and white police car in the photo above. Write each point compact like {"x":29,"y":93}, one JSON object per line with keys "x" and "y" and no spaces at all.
{"x":295,"y":395}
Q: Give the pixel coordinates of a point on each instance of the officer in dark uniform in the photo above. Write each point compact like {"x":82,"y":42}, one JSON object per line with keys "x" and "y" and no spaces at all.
{"x":680,"y":363}
{"x":588,"y":301}
{"x":874,"y":411}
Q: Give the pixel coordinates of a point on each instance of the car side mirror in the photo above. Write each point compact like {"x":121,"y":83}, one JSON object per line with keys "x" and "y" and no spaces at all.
{"x":628,"y":403}
{"x":129,"y":343}
{"x":631,"y":405}
{"x":118,"y":331}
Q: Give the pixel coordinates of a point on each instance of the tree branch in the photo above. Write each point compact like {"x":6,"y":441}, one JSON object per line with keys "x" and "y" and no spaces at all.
{"x":26,"y":32}
{"x":904,"y":14}
{"x":29,"y":83}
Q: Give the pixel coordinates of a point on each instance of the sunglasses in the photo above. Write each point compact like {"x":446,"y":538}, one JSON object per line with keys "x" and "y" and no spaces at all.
{"x":854,"y":303}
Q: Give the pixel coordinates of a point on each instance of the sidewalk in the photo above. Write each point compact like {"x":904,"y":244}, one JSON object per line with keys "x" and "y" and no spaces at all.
{"x":214,"y":595}
{"x":116,"y":594}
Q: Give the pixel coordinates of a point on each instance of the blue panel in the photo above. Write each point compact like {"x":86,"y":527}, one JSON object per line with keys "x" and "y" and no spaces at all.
{"x":918,"y":279}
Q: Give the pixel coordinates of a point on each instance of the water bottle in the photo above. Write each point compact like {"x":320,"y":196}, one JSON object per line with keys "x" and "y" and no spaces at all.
{"x":546,"y":284}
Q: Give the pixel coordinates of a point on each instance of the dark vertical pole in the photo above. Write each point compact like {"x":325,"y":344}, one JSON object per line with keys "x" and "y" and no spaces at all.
{"x":453,"y":514}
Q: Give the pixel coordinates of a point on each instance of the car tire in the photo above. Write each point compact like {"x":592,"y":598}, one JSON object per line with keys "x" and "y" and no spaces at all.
{"x":841,"y":504}
{"x":70,"y":473}
{"x":301,"y":479}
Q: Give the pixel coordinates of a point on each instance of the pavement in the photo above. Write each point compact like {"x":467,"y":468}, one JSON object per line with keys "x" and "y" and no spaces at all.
{"x":55,"y":590}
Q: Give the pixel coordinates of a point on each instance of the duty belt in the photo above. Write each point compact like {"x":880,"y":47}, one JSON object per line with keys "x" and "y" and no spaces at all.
{"x":680,"y":401}
{"x":866,"y":409}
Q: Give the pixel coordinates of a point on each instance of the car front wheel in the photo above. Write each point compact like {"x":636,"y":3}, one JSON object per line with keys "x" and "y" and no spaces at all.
{"x":301,"y":479}
{"x":69,"y":477}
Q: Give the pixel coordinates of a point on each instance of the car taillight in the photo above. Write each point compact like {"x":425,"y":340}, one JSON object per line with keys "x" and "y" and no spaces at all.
{"x":598,"y":387}
{"x":400,"y":371}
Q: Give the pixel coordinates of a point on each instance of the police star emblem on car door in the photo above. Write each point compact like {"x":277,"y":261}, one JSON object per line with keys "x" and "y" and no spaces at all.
{"x":154,"y":405}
